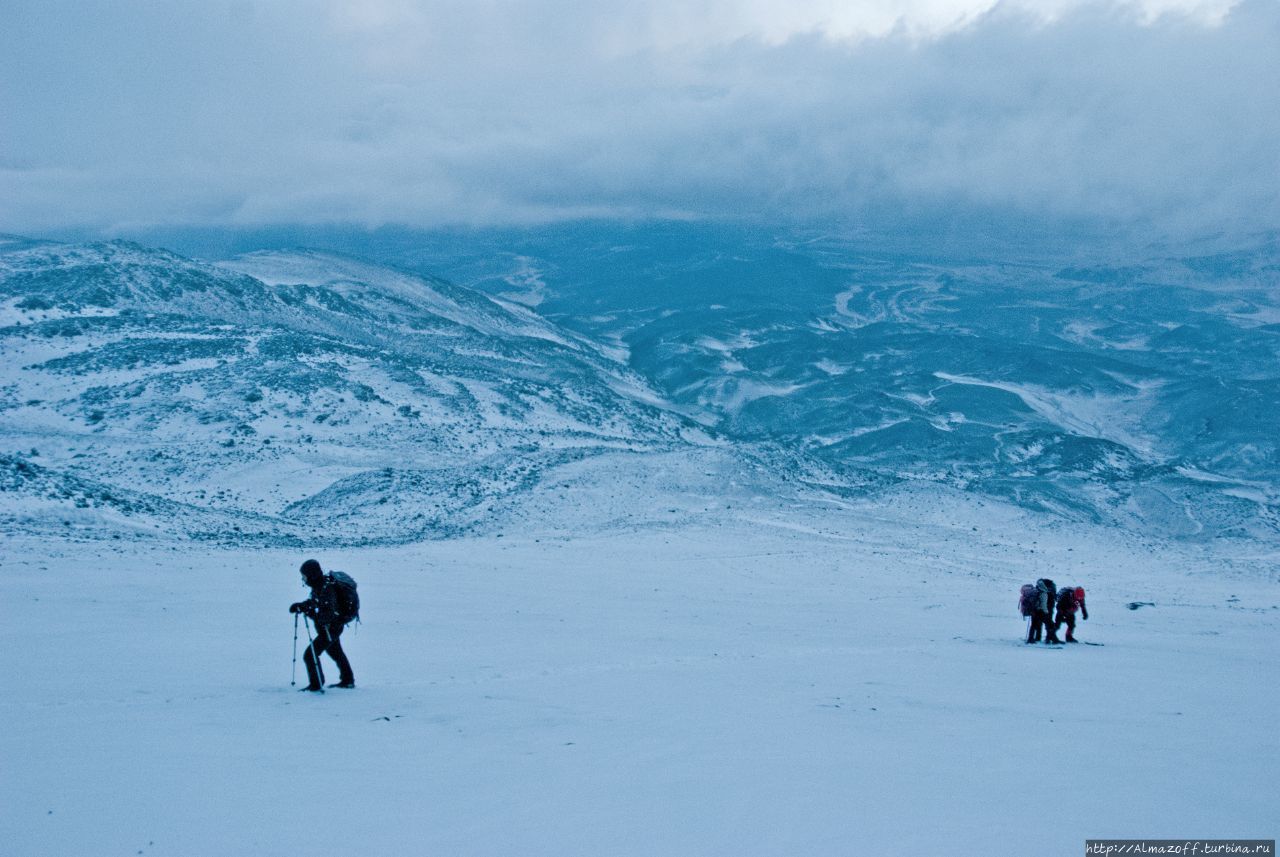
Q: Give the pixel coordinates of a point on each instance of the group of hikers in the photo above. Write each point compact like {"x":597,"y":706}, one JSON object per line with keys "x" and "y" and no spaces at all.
{"x":1038,"y":602}
{"x":334,"y":603}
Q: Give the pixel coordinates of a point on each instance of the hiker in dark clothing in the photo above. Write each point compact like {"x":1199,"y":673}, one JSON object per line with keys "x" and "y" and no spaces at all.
{"x":1069,"y":598}
{"x":324,"y":609}
{"x":1027,"y":607}
{"x":1042,"y":618}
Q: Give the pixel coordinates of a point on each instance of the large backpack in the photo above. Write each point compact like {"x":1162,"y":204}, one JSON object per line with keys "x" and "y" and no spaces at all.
{"x":1046,"y":590}
{"x":1027,"y":599}
{"x":344,"y":587}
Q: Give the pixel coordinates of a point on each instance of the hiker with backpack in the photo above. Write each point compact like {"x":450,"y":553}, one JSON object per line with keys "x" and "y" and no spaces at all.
{"x":1027,"y":607}
{"x":1038,"y":603}
{"x":333,"y":603}
{"x":1069,"y":599}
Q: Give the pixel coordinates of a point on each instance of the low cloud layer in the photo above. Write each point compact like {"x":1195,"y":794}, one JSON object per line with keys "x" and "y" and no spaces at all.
{"x":1158,"y":116}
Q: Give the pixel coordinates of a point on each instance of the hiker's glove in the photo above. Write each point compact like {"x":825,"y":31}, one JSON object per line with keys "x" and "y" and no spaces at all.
{"x":1084,"y":614}
{"x":299,"y":607}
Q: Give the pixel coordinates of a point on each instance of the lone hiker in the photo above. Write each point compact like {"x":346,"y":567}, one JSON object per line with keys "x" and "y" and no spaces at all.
{"x":333,"y":603}
{"x":1069,"y":598}
{"x":1042,"y":613}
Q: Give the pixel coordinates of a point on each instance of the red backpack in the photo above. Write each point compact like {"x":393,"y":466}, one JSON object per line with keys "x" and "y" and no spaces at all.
{"x":1027,"y":599}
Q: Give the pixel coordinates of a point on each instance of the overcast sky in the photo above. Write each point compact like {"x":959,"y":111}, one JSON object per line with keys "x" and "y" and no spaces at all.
{"x":1151,"y":114}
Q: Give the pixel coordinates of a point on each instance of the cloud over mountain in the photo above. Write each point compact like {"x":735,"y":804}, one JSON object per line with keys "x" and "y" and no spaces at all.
{"x":1153,"y":116}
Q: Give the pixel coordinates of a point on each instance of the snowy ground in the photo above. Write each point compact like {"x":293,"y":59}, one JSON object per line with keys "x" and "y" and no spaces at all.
{"x":840,"y":682}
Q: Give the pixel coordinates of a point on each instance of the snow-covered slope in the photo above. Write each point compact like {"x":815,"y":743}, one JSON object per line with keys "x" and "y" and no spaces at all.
{"x":301,"y":387}
{"x":322,"y":397}
{"x":755,"y":682}
{"x":1140,"y":393}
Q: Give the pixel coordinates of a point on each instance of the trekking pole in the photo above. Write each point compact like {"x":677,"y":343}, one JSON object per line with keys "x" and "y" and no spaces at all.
{"x":315,"y":659}
{"x":293,"y":677}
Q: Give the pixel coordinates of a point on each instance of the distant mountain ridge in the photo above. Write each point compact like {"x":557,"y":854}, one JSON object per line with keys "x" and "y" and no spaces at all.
{"x":1143,"y":391}
{"x":290,"y":400}
{"x":301,"y":392}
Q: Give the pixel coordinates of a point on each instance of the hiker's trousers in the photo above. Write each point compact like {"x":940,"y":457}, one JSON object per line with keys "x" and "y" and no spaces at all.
{"x":327,"y":639}
{"x":1039,"y":620}
{"x":1068,"y":619}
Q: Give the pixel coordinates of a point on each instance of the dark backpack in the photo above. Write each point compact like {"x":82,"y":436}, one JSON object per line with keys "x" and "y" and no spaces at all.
{"x":1027,"y":599}
{"x":348,"y":599}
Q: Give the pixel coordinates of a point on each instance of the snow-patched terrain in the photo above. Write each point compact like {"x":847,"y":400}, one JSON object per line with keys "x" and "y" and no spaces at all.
{"x":1080,"y":384}
{"x":839,"y":681}
{"x":298,"y":391}
{"x":329,"y":396}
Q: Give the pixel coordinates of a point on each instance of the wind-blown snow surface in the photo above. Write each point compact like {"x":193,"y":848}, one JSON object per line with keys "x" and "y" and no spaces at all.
{"x":847,"y":681}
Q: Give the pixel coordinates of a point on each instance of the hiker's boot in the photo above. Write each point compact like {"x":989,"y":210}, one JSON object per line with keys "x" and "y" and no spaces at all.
{"x":313,"y":688}
{"x":1071,"y":639}
{"x":348,"y":684}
